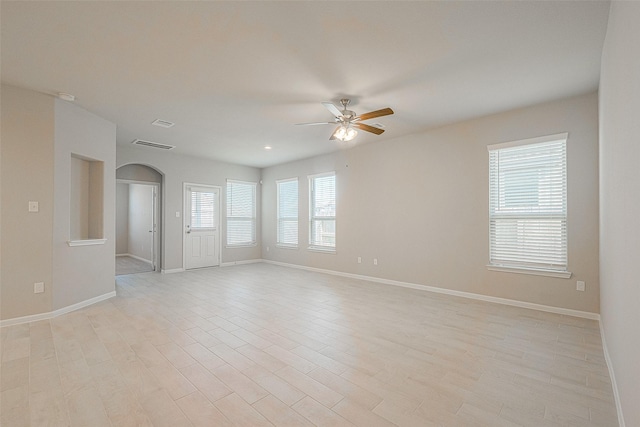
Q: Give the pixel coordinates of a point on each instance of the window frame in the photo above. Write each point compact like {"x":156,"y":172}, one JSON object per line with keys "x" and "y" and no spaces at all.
{"x":496,"y":199}
{"x":280,"y":219}
{"x":312,"y":218}
{"x":252,"y":219}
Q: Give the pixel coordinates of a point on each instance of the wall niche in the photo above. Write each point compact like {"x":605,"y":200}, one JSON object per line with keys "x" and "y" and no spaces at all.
{"x":87,"y":201}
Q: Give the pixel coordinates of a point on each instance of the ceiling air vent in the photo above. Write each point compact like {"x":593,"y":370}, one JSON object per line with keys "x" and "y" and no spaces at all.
{"x":162,"y":123}
{"x":153,"y":144}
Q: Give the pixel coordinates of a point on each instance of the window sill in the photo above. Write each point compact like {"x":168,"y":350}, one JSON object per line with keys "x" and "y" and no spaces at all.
{"x":248,"y":245}
{"x":283,"y":246}
{"x":87,"y":242}
{"x":532,"y":271}
{"x":322,"y":249}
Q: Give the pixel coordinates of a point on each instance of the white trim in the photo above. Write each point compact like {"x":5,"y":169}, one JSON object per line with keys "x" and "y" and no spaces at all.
{"x":172,"y":270}
{"x":246,"y":261}
{"x":533,"y":271}
{"x":536,"y":140}
{"x":134,"y":181}
{"x":86,"y":242}
{"x":278,"y":181}
{"x":58,"y":312}
{"x":241,"y":245}
{"x":117,"y":255}
{"x":137,"y":257}
{"x":237,"y":181}
{"x":470,"y":295}
{"x":614,"y":385}
{"x":285,"y":246}
{"x":320,"y":175}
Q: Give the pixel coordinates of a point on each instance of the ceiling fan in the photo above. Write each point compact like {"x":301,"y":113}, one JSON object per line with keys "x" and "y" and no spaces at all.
{"x":348,"y":121}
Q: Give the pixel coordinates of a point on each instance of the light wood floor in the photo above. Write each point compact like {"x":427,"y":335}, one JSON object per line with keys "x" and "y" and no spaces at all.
{"x":259,"y":344}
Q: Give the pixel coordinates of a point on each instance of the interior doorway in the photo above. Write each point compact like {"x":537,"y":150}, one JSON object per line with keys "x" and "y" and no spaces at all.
{"x":138,"y":214}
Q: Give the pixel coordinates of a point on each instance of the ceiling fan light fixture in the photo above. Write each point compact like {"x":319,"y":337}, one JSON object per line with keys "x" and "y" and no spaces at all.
{"x":346,"y":133}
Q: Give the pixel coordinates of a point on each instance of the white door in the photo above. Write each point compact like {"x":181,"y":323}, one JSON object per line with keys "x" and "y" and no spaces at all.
{"x":201,"y":226}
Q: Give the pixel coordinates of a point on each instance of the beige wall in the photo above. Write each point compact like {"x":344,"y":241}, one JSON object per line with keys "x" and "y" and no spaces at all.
{"x":177,"y":170}
{"x":419,"y":204}
{"x":84,"y":272}
{"x":620,"y":202}
{"x":39,"y":136}
{"x":27,"y":175}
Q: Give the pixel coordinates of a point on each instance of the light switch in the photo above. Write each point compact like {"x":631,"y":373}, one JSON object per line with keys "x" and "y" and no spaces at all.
{"x":178,"y":214}
{"x":38,"y":287}
{"x":33,"y":207}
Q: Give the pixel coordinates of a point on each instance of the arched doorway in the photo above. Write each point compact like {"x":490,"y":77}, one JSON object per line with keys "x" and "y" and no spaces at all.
{"x":138,"y":219}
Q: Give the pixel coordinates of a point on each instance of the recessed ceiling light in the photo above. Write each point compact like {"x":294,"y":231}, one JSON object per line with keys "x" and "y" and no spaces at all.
{"x":66,"y":96}
{"x":267,"y":147}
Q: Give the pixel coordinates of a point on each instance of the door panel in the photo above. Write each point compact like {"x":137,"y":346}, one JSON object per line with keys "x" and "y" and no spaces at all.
{"x":202,"y":226}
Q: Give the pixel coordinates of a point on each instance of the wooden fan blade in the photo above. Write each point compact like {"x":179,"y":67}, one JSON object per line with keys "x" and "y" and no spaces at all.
{"x":333,"y":135}
{"x":377,"y":113}
{"x":368,"y":128}
{"x":332,"y":109}
{"x":315,"y":123}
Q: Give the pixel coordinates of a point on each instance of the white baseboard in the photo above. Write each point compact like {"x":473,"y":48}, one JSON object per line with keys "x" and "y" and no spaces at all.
{"x":614,"y":385}
{"x":134,"y":257}
{"x":470,"y":295}
{"x":248,"y":261}
{"x":58,"y":312}
{"x":139,"y":258}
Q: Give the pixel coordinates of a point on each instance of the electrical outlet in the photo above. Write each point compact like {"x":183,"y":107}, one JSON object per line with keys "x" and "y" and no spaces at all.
{"x":375,"y":261}
{"x":267,"y":248}
{"x":38,"y":287}
{"x":359,"y":260}
{"x":580,"y":285}
{"x":34,"y":207}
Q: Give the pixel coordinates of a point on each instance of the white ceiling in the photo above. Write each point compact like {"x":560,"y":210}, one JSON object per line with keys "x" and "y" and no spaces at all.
{"x":236,"y":76}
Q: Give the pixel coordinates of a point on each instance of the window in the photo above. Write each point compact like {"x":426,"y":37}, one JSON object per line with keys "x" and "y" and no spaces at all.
{"x":203,"y":209}
{"x":241,"y":213}
{"x":322,"y":212}
{"x":528,"y":205}
{"x":288,"y":212}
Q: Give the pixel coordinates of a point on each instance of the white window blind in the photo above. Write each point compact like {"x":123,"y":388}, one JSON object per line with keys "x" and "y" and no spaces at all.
{"x":528,"y":204}
{"x":203,"y":209}
{"x":287,"y":212}
{"x":241,"y":213}
{"x":322,"y":196}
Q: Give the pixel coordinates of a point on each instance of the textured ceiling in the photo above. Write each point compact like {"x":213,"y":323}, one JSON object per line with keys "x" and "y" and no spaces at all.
{"x":236,"y":76}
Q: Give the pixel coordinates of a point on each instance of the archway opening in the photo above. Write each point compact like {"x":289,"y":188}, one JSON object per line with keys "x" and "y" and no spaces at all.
{"x":138,"y":219}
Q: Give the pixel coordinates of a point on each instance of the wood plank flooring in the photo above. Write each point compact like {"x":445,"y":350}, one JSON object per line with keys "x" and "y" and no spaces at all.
{"x":263,"y":345}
